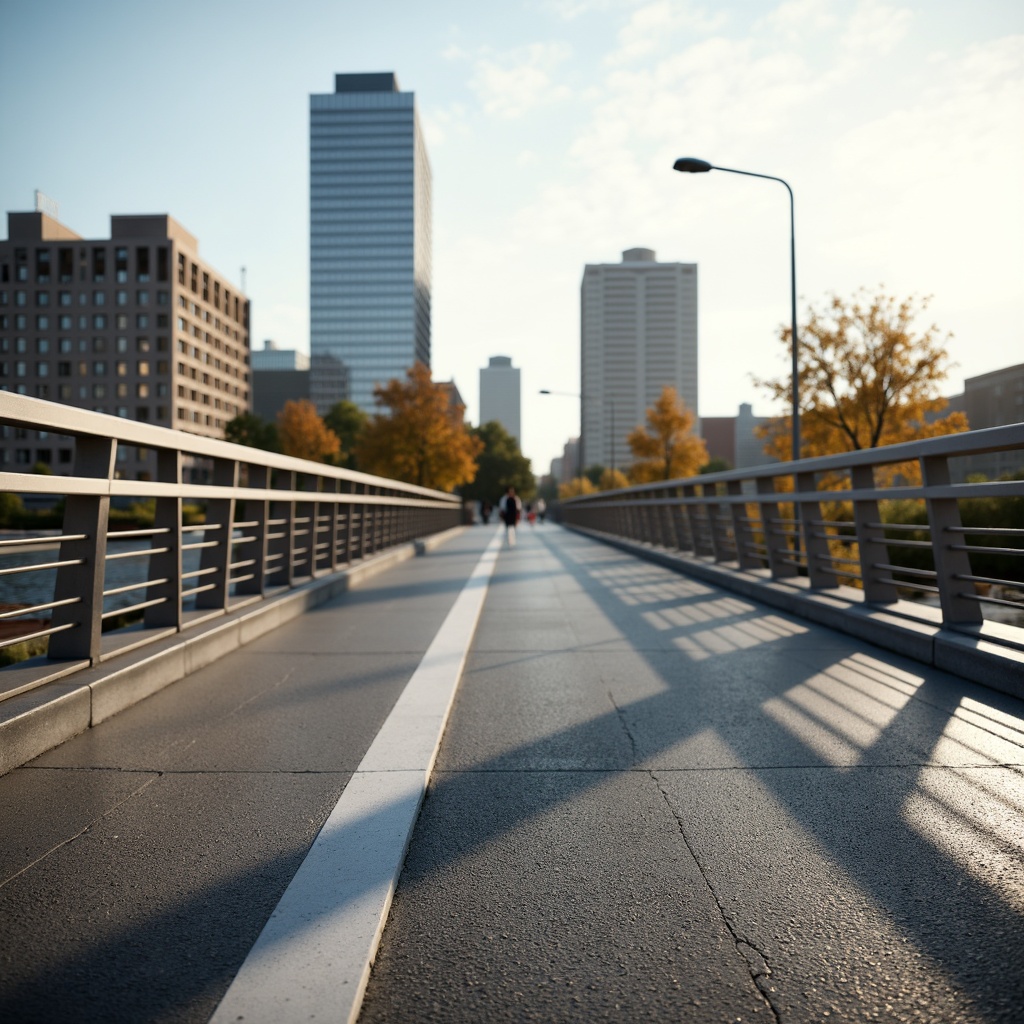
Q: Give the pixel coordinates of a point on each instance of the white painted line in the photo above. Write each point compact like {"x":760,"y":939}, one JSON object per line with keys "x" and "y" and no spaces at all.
{"x":312,"y":959}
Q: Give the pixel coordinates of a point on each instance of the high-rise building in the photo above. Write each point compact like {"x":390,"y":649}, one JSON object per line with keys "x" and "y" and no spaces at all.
{"x":500,"y":395}
{"x":638,"y":327}
{"x":369,"y":231}
{"x":135,"y":325}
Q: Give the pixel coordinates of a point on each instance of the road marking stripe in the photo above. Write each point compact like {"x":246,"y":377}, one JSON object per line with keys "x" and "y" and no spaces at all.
{"x":312,"y":959}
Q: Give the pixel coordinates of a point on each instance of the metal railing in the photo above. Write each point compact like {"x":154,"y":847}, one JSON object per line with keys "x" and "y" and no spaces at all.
{"x":888,"y":521}
{"x":270,"y":523}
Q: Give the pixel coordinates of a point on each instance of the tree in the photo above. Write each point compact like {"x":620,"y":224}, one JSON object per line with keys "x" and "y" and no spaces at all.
{"x":500,"y":465}
{"x":422,"y":438}
{"x":304,"y":435}
{"x":612,"y":480}
{"x":867,"y":378}
{"x":250,"y":430}
{"x":347,"y":420}
{"x":576,"y":487}
{"x":666,"y":449}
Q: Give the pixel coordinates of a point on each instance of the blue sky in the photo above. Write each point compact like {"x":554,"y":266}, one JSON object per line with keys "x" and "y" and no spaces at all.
{"x":552,"y":126}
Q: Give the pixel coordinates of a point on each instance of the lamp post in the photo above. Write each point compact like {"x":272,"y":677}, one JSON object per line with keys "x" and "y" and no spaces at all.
{"x":579,"y":441}
{"x":691,"y":165}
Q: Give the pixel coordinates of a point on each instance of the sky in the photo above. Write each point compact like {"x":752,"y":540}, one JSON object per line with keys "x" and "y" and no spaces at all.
{"x":552,"y":127}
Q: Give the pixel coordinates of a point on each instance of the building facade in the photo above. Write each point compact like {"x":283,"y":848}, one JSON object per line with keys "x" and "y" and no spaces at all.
{"x":135,"y":325}
{"x":500,"y":395}
{"x":992,"y":399}
{"x":369,"y":232}
{"x":638,"y":327}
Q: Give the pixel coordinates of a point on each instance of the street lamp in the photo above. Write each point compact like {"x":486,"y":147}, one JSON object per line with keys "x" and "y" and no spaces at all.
{"x":691,"y":165}
{"x":579,"y":441}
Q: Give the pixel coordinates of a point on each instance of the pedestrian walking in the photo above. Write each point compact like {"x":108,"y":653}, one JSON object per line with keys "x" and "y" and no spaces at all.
{"x":510,"y":507}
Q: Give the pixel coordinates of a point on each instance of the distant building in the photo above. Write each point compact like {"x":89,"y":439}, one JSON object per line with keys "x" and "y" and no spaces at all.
{"x":286,"y":375}
{"x":750,"y":451}
{"x":272,"y":357}
{"x":638,"y":333}
{"x":369,"y":232}
{"x":454,"y":395}
{"x":500,"y":395}
{"x":135,"y":325}
{"x":992,"y":399}
{"x":719,"y":433}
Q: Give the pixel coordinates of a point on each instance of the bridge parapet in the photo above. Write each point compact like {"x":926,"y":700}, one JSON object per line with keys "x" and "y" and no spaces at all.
{"x":272,"y":523}
{"x":884,"y":530}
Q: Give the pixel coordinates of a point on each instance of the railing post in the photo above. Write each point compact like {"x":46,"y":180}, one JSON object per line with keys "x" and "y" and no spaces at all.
{"x":220,"y":513}
{"x":166,"y":565}
{"x":741,"y":530}
{"x":951,"y":561}
{"x":719,"y":521}
{"x":88,"y":514}
{"x":774,"y":536}
{"x":815,"y":543}
{"x":282,"y":541}
{"x":871,"y":546}
{"x":259,"y":513}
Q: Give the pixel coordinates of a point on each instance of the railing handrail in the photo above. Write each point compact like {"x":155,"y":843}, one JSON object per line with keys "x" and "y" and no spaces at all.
{"x":969,"y":442}
{"x":40,"y":414}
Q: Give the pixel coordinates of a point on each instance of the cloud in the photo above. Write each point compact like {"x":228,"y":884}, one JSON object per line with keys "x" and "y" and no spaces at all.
{"x":875,"y":28}
{"x":653,"y":26}
{"x":511,"y":84}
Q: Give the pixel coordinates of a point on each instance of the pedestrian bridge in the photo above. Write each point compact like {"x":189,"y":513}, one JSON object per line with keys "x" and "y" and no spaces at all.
{"x":614,"y":772}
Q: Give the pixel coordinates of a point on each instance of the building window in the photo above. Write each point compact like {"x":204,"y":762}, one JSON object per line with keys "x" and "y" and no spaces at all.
{"x":42,"y":298}
{"x":99,"y":321}
{"x":21,"y":298}
{"x":66,"y":264}
{"x":99,"y":367}
{"x":43,"y":266}
{"x":122,"y":344}
{"x":142,"y":298}
{"x":142,"y":344}
{"x":100,"y":298}
{"x":99,"y":344}
{"x":99,"y":391}
{"x":121,"y":369}
{"x":64,"y":345}
{"x":142,"y":390}
{"x":64,"y":392}
{"x":161,"y":263}
{"x":42,"y":322}
{"x":42,"y":369}
{"x":64,"y":298}
{"x":99,"y":265}
{"x":42,"y":346}
{"x":121,"y":390}
{"x":142,"y":321}
{"x":143,"y":367}
{"x":121,"y":265}
{"x":64,"y":369}
{"x":142,"y":263}
{"x":121,"y":297}
{"x":65,"y":322}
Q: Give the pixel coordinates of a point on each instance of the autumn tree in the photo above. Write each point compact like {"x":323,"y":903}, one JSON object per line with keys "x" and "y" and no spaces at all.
{"x":500,"y":465}
{"x":666,"y":448}
{"x":868,"y":377}
{"x":575,"y":488}
{"x":419,"y":436}
{"x":253,"y":431}
{"x":304,"y":435}
{"x":612,"y":480}
{"x":347,"y":420}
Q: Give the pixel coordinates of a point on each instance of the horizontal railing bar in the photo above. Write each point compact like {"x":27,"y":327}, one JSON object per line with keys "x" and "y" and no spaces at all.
{"x":17,"y":613}
{"x":1012,"y":584}
{"x":197,"y":590}
{"x":980,"y":549}
{"x":118,"y":556}
{"x":25,"y":637}
{"x":897,"y":542}
{"x":984,"y":599}
{"x":1006,"y":531}
{"x":201,"y":544}
{"x":131,"y":534}
{"x":14,"y":570}
{"x":242,"y":564}
{"x":927,"y":573}
{"x":195,"y":573}
{"x":241,"y":579}
{"x":25,"y":541}
{"x":135,"y":586}
{"x":907,"y":585}
{"x":133,"y":608}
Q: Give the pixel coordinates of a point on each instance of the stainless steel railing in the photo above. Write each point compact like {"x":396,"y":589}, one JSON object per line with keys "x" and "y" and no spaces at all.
{"x":271,"y":524}
{"x":888,"y":521}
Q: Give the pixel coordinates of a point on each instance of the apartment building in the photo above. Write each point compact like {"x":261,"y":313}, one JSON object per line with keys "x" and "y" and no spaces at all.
{"x":136,"y":325}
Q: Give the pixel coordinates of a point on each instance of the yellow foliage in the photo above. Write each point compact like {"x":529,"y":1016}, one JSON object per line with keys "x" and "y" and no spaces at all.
{"x":422,"y":438}
{"x":576,"y":488}
{"x":612,"y":480}
{"x":867,"y":378}
{"x":666,"y":449}
{"x":304,"y":435}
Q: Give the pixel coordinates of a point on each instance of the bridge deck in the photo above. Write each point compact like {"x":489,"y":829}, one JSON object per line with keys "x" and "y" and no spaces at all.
{"x":654,"y":801}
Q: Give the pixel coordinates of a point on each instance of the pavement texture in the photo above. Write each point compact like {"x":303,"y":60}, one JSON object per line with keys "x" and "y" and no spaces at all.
{"x":139,"y":861}
{"x":655,"y":801}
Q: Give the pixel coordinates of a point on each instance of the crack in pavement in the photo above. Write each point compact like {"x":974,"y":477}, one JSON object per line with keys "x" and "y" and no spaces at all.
{"x":625,"y":727}
{"x":757,"y":964}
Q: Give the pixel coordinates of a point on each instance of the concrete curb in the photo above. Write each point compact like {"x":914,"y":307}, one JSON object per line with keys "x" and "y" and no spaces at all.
{"x":43,"y":718}
{"x":904,"y":628}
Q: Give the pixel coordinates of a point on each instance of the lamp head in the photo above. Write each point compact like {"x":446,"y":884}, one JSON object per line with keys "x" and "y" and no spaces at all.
{"x":691,"y":165}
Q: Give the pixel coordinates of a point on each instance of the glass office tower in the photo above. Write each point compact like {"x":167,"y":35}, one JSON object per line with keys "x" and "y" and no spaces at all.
{"x":369,"y":232}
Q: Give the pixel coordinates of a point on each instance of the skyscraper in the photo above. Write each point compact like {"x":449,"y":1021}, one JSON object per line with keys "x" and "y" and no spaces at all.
{"x":500,"y":396}
{"x":638,"y":332}
{"x":369,"y":231}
